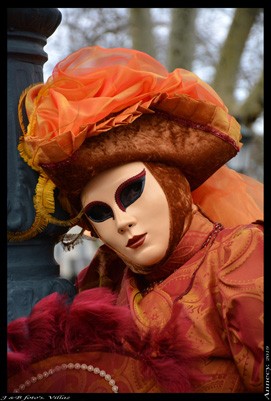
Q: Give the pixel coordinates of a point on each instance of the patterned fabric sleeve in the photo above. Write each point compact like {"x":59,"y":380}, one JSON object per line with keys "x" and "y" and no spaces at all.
{"x":241,"y":289}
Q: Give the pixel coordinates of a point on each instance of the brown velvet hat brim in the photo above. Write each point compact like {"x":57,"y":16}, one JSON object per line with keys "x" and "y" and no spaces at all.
{"x":155,"y":137}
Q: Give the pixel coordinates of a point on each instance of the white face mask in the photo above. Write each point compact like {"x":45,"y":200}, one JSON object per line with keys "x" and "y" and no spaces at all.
{"x":129,"y":211}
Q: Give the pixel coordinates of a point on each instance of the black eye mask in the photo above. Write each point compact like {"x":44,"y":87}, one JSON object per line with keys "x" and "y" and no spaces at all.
{"x":126,"y":194}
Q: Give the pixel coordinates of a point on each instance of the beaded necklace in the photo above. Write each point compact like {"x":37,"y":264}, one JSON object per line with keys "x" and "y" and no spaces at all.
{"x":64,"y":366}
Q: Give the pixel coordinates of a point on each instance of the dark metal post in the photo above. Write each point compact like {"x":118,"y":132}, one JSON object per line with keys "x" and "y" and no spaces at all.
{"x":32,"y":270}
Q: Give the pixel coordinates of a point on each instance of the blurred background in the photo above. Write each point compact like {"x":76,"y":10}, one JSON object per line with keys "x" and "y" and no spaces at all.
{"x":223,"y":46}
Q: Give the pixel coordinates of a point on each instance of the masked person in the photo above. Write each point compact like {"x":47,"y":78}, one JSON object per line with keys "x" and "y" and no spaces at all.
{"x":173,"y":299}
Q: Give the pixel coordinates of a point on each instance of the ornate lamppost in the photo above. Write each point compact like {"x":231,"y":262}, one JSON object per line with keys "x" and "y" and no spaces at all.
{"x":32,"y":270}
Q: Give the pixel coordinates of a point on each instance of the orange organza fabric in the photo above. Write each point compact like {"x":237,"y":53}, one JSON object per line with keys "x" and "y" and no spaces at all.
{"x":95,"y":89}
{"x":230,"y":198}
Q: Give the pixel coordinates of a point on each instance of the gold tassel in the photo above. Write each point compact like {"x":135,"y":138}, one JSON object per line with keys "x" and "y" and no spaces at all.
{"x":44,"y":204}
{"x":44,"y":199}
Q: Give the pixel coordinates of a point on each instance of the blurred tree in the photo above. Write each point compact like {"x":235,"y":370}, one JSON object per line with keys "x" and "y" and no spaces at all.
{"x":228,"y":65}
{"x":141,"y":29}
{"x":224,"y":46}
{"x":182,"y":38}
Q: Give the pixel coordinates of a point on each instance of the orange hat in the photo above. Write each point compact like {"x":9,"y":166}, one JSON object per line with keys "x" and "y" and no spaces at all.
{"x":103,"y":107}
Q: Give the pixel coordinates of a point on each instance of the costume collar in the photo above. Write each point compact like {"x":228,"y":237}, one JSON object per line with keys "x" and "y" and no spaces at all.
{"x":197,"y":236}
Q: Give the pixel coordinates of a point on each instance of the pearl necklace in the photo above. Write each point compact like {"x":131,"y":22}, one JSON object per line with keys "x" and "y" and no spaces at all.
{"x":65,"y":366}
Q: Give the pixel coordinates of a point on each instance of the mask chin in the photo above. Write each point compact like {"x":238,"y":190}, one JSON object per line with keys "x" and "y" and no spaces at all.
{"x":178,"y":194}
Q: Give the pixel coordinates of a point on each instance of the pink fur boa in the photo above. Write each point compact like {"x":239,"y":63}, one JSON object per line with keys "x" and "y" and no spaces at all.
{"x":93,"y":322}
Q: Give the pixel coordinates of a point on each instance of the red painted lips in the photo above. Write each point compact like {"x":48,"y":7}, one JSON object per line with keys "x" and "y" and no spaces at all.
{"x":136,"y":241}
